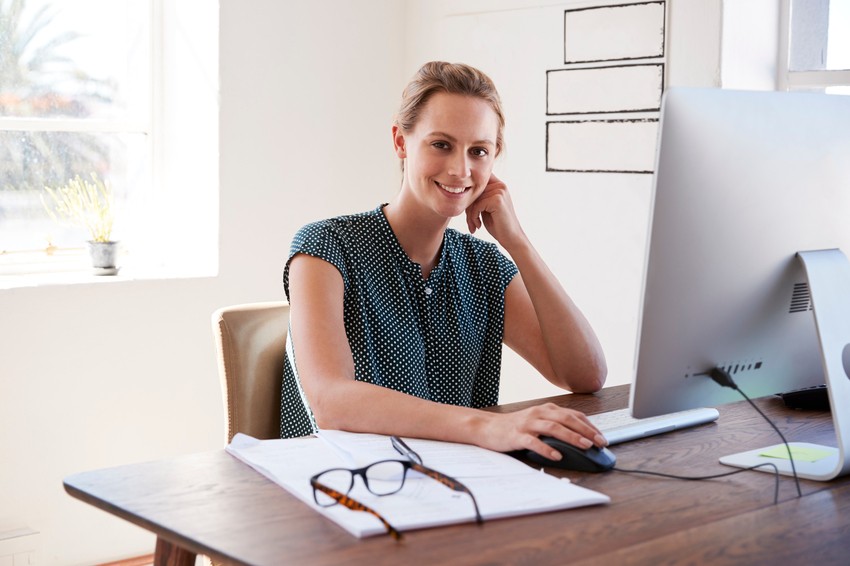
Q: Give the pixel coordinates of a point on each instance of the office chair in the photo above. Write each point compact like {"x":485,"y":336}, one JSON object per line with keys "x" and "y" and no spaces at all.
{"x":250,"y":342}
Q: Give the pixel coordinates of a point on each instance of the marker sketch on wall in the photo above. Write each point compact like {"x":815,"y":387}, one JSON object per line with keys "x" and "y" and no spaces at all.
{"x":625,"y":34}
{"x":632,"y":31}
{"x":622,"y":88}
{"x":601,"y":146}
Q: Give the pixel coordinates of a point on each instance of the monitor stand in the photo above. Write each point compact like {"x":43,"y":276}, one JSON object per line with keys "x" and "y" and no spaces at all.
{"x":828,"y":273}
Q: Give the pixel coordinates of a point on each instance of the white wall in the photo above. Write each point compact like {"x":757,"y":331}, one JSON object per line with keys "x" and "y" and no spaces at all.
{"x":124,"y":371}
{"x":749,"y":46}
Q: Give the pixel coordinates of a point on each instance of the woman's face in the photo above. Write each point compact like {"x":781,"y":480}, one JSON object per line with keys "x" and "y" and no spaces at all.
{"x":449,"y":153}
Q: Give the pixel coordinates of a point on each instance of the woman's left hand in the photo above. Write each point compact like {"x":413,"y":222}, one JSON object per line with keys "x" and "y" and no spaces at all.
{"x":495,"y":210}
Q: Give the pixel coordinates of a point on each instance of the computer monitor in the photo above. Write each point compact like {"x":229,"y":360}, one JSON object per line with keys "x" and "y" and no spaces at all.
{"x":743,"y":182}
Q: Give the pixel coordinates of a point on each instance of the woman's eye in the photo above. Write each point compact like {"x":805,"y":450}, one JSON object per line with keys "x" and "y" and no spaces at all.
{"x":440,"y":145}
{"x":479,"y":152}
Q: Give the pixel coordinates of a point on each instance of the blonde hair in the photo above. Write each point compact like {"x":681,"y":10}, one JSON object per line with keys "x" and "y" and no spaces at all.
{"x":452,"y":78}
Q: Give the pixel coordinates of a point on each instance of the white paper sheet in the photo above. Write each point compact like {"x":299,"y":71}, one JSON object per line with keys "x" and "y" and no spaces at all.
{"x":502,"y":486}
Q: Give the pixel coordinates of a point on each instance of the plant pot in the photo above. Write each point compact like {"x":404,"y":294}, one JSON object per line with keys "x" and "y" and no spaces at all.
{"x":104,"y":257}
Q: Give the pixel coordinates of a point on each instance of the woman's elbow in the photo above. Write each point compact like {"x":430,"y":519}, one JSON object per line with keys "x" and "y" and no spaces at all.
{"x":590,"y":378}
{"x":324,"y":410}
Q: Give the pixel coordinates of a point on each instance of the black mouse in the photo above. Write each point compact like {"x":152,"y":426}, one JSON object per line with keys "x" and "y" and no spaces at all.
{"x":593,"y":459}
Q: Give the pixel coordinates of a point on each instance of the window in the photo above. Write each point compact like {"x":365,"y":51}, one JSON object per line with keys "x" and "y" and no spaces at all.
{"x":118,"y":88}
{"x":815,"y":46}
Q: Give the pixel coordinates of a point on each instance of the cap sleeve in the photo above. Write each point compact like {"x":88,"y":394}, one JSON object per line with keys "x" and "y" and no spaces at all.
{"x":321,"y":240}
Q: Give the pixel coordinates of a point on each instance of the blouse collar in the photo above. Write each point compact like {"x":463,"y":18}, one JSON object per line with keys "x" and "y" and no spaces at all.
{"x":406,"y":264}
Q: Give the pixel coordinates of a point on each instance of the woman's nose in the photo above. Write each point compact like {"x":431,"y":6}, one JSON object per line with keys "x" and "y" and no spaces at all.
{"x":459,"y":165}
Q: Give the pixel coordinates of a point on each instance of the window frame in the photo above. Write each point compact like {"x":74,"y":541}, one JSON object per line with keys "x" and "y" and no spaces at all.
{"x":172,"y":193}
{"x":788,"y":79}
{"x":52,"y":259}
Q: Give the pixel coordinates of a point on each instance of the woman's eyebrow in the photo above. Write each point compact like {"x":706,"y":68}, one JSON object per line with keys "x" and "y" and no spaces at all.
{"x":454,"y":139}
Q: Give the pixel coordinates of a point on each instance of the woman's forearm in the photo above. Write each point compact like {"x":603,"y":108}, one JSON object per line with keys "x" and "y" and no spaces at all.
{"x":363,"y":407}
{"x":358,"y":406}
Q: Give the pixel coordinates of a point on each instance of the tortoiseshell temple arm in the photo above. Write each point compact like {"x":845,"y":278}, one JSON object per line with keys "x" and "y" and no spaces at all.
{"x":354,"y":505}
{"x":450,"y":483}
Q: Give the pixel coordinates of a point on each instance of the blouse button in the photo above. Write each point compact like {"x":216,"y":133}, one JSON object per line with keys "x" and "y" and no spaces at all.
{"x":428,"y":290}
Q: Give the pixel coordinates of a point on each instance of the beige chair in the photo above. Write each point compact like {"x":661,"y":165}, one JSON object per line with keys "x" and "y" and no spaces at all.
{"x":251,"y":344}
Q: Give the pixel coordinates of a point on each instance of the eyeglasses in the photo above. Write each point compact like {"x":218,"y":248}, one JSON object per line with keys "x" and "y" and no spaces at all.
{"x":385,"y":477}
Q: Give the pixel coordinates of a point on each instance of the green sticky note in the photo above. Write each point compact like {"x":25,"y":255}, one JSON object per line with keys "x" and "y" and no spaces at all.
{"x":801,"y":453}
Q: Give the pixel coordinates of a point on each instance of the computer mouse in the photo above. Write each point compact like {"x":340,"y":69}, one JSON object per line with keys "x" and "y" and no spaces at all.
{"x":593,"y":459}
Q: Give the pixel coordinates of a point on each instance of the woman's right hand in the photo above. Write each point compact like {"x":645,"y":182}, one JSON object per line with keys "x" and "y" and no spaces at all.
{"x":521,"y":430}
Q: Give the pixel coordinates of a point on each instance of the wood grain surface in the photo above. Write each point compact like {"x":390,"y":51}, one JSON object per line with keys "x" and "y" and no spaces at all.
{"x":212,"y":504}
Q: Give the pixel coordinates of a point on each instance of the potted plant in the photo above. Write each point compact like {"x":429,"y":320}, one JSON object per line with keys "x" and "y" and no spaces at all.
{"x":88,"y":204}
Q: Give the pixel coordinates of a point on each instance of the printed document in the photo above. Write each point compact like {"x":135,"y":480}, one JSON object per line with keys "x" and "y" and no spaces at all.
{"x":503,"y":486}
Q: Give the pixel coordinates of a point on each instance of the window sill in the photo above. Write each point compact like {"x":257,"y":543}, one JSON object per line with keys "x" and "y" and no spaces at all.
{"x":77,"y":278}
{"x":74,"y":269}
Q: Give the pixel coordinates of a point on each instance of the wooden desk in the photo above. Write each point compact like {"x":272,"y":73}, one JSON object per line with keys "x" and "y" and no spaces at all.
{"x":212,"y":504}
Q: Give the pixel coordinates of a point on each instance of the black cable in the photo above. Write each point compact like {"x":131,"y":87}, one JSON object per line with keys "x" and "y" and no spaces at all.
{"x":713,"y":476}
{"x":723,"y":378}
{"x":785,"y":442}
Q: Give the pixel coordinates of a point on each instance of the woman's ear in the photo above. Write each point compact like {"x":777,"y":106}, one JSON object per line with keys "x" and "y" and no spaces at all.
{"x":398,"y":143}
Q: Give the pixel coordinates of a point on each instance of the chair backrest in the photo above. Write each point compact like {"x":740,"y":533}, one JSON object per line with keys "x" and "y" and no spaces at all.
{"x":251,"y":344}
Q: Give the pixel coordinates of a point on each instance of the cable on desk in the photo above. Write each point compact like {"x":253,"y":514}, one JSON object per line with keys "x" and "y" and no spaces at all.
{"x":724,"y":379}
{"x":711,"y":477}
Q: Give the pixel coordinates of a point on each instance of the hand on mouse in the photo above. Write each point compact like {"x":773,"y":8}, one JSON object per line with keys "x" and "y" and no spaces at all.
{"x":521,"y":430}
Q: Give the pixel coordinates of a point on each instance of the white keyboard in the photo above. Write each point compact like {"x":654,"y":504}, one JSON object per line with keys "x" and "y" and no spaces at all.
{"x":619,"y":426}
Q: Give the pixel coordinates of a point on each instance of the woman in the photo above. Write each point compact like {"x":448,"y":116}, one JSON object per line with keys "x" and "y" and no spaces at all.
{"x":397,"y":321}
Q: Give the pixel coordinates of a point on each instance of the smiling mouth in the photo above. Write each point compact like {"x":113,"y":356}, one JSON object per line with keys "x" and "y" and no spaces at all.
{"x":453,"y":190}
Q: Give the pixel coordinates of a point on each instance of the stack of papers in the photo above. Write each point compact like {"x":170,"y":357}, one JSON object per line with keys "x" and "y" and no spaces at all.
{"x":503,"y":486}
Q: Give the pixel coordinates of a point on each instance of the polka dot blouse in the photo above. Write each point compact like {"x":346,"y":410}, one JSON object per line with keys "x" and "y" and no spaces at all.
{"x":438,"y":339}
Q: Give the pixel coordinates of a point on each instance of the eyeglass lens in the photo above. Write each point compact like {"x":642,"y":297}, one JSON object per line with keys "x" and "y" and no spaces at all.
{"x":381,"y":478}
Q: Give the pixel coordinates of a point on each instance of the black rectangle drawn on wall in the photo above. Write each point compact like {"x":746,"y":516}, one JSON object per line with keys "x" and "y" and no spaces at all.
{"x":602,"y":146}
{"x":623,"y":88}
{"x":611,"y":33}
